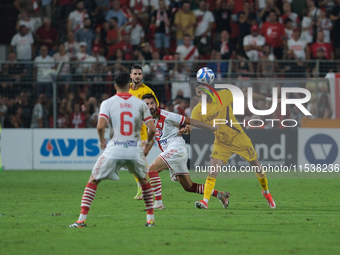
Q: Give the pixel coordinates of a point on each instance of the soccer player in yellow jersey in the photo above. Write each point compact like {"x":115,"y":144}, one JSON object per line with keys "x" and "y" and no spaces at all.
{"x":229,"y":140}
{"x":139,"y":89}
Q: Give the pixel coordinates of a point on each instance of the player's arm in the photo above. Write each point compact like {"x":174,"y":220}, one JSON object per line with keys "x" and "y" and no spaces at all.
{"x":151,"y":133}
{"x":199,"y":124}
{"x":102,"y":122}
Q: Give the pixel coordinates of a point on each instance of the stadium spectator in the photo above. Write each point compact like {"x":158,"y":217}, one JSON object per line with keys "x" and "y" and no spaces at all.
{"x":180,"y":77}
{"x":292,"y":68}
{"x":324,"y":24}
{"x":46,"y":8}
{"x":141,"y":9}
{"x":265,"y":12}
{"x":154,"y":4}
{"x":147,"y":51}
{"x":274,"y":34}
{"x":40,"y":112}
{"x":238,"y":5}
{"x":219,"y":67}
{"x":100,"y":11}
{"x":86,"y":34}
{"x":266,"y":68}
{"x":225,"y":46}
{"x":64,"y":75}
{"x":252,"y":43}
{"x":246,"y":19}
{"x":323,"y":65}
{"x":222,"y":16}
{"x":16,"y":71}
{"x":288,"y":28}
{"x":25,"y":19}
{"x":76,"y":18}
{"x":72,"y":47}
{"x":47,"y":35}
{"x":205,"y":20}
{"x":244,"y":68}
{"x":17,"y":120}
{"x":117,"y":13}
{"x":187,"y":51}
{"x":161,"y":19}
{"x":32,"y":8}
{"x":185,"y":21}
{"x":118,"y":66}
{"x":63,"y":115}
{"x":26,"y":106}
{"x":113,"y":36}
{"x":180,"y":108}
{"x":62,"y":10}
{"x":335,"y":18}
{"x":299,"y":46}
{"x":158,"y":76}
{"x":3,"y":109}
{"x":287,"y":13}
{"x":136,"y":31}
{"x":313,"y":14}
{"x":125,"y":45}
{"x":77,"y":117}
{"x":42,"y":65}
{"x":320,"y":43}
{"x":93,"y":111}
{"x":23,"y":44}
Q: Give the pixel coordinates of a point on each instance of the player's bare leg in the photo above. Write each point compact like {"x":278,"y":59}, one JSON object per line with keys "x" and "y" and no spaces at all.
{"x":209,"y":184}
{"x":148,"y":200}
{"x":261,"y":176}
{"x":86,"y":201}
{"x":193,"y":187}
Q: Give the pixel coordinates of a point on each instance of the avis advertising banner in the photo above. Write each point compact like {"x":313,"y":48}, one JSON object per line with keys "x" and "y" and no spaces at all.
{"x":274,"y":146}
{"x":319,"y":146}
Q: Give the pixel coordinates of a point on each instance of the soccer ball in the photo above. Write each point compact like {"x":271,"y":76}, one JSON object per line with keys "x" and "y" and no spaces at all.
{"x":205,"y":75}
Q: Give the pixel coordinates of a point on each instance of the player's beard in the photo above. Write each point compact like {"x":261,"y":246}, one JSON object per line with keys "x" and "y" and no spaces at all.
{"x":153,"y":111}
{"x":137,"y":81}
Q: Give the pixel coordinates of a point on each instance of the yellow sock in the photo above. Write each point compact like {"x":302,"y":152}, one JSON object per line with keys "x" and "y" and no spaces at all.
{"x":136,"y":180}
{"x":208,"y":187}
{"x":264,"y":183}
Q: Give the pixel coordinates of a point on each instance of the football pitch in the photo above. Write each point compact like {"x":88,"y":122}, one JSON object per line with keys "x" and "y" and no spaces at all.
{"x":36,"y":208}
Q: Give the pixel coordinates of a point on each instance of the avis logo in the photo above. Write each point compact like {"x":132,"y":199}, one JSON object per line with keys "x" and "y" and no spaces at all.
{"x":58,"y":147}
{"x":321,"y":149}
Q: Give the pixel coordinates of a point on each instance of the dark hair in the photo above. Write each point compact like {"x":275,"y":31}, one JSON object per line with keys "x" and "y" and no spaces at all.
{"x":272,"y":10}
{"x":186,"y":35}
{"x":287,"y":20}
{"x":115,"y":18}
{"x":122,"y":80}
{"x":149,"y":96}
{"x":136,"y":67}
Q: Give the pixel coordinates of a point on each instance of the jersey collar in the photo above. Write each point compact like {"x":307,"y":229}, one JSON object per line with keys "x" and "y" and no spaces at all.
{"x":124,"y":95}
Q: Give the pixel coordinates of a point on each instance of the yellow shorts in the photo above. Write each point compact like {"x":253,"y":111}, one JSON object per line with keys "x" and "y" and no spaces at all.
{"x":241,"y":145}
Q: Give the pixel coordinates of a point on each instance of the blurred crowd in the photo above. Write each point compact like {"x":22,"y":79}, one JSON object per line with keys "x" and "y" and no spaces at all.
{"x":102,"y":36}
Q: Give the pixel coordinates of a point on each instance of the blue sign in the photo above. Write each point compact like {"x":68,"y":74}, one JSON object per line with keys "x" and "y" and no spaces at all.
{"x":65,"y":147}
{"x":321,"y":149}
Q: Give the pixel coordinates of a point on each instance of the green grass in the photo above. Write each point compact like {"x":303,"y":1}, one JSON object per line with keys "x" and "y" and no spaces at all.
{"x":36,"y":208}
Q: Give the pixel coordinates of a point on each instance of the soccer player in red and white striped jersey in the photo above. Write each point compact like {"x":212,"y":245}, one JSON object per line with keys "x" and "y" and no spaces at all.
{"x":126,"y":115}
{"x":174,"y":154}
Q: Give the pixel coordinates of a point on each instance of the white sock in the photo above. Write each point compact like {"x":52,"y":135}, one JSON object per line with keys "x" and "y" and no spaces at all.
{"x":266,"y":191}
{"x":138,"y":184}
{"x":82,"y":217}
{"x":158,"y":202}
{"x":205,"y":200}
{"x":150,"y":217}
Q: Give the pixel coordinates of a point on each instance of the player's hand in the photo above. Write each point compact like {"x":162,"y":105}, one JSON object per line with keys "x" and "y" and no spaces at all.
{"x":103,"y":144}
{"x":184,"y":130}
{"x":214,"y":129}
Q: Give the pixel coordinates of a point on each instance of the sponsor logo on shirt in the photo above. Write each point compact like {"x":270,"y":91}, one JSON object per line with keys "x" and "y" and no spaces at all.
{"x":128,"y":143}
{"x":163,"y":142}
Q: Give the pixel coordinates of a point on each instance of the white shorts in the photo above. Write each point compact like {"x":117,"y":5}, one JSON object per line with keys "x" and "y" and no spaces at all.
{"x":108,"y":168}
{"x":176,"y":159}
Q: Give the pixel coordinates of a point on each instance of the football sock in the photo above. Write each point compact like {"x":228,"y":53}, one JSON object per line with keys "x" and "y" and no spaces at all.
{"x":264,"y":183}
{"x":86,"y":201}
{"x":156,"y":185}
{"x":199,"y":188}
{"x":148,"y":198}
{"x":208,"y":188}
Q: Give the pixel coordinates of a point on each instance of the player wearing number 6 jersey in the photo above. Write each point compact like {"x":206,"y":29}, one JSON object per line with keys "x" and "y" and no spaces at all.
{"x":174,"y":154}
{"x":229,"y":140}
{"x":139,"y":89}
{"x":126,"y":115}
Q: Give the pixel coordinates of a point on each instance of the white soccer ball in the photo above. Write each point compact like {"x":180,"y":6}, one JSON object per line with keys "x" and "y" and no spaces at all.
{"x":205,"y":75}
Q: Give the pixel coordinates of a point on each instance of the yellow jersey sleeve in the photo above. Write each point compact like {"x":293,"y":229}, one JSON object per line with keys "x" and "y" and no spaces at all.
{"x":196,"y":113}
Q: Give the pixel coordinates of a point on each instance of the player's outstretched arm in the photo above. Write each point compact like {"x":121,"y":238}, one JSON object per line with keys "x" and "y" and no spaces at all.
{"x":102,"y":122}
{"x":151,"y":133}
{"x":199,"y":124}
